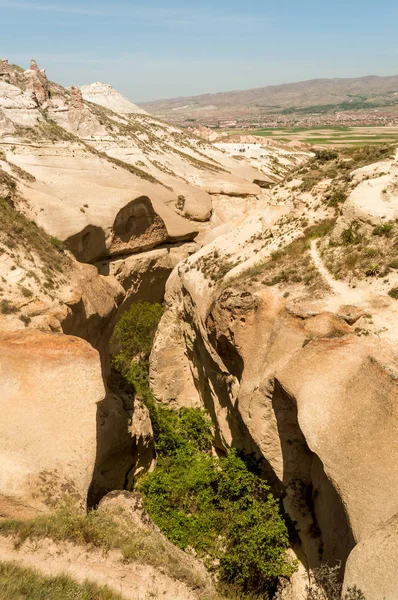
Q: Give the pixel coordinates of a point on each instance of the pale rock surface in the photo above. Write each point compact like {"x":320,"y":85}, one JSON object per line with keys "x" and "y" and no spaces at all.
{"x":296,"y":587}
{"x":272,"y":160}
{"x":105,"y":95}
{"x":80,"y":195}
{"x":96,"y":207}
{"x":125,"y":445}
{"x":206,"y":133}
{"x":17,"y":107}
{"x":50,"y":386}
{"x":372,"y":565}
{"x":374,"y":199}
{"x":143,"y":276}
{"x":130,"y":506}
{"x":269,"y":373}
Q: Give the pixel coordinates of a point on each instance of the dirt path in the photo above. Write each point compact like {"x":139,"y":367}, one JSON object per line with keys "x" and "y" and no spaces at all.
{"x":351,"y":296}
{"x":134,"y":581}
{"x":382,"y":309}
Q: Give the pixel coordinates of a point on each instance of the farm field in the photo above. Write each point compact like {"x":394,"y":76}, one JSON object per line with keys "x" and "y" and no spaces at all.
{"x":337,"y":136}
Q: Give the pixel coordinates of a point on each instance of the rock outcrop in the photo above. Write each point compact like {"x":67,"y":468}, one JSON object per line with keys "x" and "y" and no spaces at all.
{"x":105,"y":177}
{"x":36,"y":81}
{"x":373,"y":563}
{"x":124,"y":442}
{"x":264,"y":355}
{"x":50,"y":387}
{"x":105,"y":95}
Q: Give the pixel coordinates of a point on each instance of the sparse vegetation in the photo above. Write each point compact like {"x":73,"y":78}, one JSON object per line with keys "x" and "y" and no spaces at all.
{"x":7,"y":307}
{"x":383,"y":230}
{"x":18,"y":231}
{"x":326,"y":585}
{"x":336,"y":197}
{"x":337,"y":165}
{"x":362,"y":252}
{"x":25,"y":319}
{"x":132,"y":341}
{"x":18,"y":583}
{"x":99,"y":530}
{"x":393,"y":293}
{"x":127,"y":166}
{"x":214,"y":266}
{"x":292,"y":263}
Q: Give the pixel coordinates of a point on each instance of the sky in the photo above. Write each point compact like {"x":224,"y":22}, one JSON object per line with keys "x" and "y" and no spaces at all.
{"x":169,"y":48}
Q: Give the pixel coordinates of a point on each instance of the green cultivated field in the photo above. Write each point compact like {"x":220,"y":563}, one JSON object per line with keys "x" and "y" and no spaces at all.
{"x":336,"y":136}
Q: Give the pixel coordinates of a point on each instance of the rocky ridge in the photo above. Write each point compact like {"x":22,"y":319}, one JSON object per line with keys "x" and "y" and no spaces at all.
{"x":256,"y":330}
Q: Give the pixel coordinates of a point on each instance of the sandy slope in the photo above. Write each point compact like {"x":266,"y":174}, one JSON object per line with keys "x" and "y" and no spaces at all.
{"x":134,"y":581}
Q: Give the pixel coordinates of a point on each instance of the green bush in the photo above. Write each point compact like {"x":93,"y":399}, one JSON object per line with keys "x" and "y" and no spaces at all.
{"x":336,"y":198}
{"x":383,"y":230}
{"x":136,"y":329}
{"x":326,"y":155}
{"x":7,"y":307}
{"x":351,"y":235}
{"x":133,"y":339}
{"x":217,"y":506}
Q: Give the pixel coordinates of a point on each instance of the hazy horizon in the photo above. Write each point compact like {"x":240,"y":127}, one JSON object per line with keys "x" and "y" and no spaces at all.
{"x":174,"y":50}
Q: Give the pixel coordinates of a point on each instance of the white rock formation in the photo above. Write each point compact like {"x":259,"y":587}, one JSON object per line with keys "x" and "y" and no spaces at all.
{"x":105,"y":95}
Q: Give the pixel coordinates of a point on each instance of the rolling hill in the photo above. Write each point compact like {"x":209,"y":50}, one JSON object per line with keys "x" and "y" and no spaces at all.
{"x":317,"y":96}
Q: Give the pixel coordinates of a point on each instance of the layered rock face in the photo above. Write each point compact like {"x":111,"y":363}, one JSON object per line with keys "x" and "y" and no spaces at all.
{"x":50,"y":387}
{"x":125,"y":446}
{"x":105,"y":177}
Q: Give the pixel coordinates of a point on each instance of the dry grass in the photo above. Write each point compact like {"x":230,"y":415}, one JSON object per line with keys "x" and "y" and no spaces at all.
{"x":100,"y":530}
{"x":18,"y":583}
{"x":362,"y":253}
{"x":338,"y":164}
{"x":214,"y":266}
{"x":17,"y":231}
{"x":291,"y":264}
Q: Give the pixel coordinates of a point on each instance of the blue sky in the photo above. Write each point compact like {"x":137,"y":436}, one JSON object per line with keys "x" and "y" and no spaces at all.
{"x":166,"y":48}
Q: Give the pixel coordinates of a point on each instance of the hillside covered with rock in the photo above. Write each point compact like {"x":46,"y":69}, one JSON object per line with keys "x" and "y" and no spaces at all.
{"x":274,"y":273}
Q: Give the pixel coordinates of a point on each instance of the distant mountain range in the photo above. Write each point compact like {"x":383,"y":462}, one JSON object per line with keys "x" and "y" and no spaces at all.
{"x":317,"y":96}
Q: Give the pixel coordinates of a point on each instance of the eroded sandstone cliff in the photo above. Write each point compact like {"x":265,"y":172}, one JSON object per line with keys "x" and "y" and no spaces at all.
{"x":297,"y":367}
{"x":281,"y":316}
